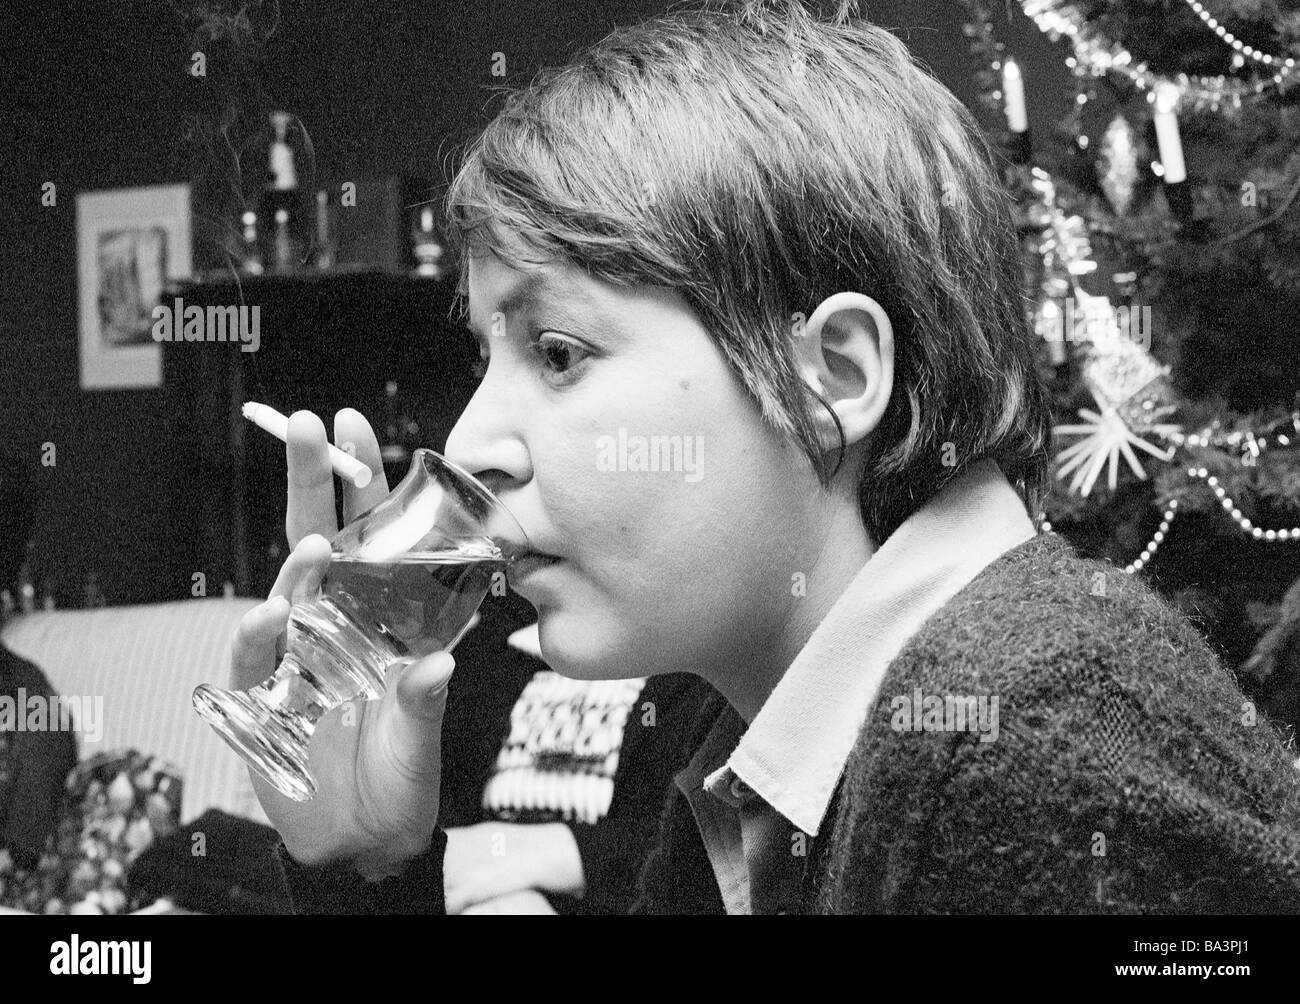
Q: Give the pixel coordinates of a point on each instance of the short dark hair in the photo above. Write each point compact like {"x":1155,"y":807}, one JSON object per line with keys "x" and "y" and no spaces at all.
{"x":758,"y":158}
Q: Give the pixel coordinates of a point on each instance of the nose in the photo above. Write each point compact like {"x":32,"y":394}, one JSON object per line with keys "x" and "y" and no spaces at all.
{"x":486,"y":440}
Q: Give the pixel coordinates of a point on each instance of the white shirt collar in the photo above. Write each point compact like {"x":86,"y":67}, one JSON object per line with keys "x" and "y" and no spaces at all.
{"x":795,"y":749}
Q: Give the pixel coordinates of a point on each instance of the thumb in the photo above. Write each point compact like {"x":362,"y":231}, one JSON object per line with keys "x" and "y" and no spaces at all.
{"x":422,"y":687}
{"x":421,"y":701}
{"x":424,"y":684}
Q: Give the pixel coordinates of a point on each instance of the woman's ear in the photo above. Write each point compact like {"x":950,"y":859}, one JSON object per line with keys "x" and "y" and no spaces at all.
{"x":845,"y":353}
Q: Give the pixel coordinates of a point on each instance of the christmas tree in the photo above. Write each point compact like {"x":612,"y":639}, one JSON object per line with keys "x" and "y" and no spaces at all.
{"x":1161,"y":229}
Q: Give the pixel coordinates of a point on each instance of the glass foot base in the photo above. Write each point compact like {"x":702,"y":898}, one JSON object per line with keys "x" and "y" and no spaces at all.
{"x":262,"y":741}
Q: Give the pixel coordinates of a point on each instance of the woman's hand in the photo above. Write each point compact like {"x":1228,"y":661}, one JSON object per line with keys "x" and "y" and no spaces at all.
{"x":490,"y":860}
{"x":377,"y":763}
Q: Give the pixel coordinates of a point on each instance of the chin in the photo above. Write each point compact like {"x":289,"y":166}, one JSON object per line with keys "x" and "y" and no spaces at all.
{"x":573,"y":647}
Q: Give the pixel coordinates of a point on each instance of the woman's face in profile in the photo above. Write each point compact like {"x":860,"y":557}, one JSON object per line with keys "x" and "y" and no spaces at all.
{"x":658,"y":570}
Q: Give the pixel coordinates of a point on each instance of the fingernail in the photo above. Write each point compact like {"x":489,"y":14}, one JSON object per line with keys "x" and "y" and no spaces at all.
{"x":444,"y":664}
{"x":443,"y":660}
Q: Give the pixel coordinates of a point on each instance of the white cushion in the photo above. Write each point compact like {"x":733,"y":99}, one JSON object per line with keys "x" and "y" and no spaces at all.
{"x":145,"y":661}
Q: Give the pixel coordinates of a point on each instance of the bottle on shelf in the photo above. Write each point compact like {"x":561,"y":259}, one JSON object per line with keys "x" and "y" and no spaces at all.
{"x":27,"y":580}
{"x":425,"y":247}
{"x":91,"y":593}
{"x":282,"y":223}
{"x":400,"y":430}
{"x":252,"y":255}
{"x":325,"y":249}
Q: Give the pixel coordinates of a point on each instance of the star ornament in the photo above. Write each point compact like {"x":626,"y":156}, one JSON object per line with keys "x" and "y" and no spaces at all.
{"x":1105,"y":438}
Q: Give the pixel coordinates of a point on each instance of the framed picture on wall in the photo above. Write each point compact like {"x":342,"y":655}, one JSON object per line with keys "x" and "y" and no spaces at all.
{"x":130,"y":242}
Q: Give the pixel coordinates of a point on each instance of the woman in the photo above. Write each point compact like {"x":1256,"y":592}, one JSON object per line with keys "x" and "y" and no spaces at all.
{"x":760,"y":390}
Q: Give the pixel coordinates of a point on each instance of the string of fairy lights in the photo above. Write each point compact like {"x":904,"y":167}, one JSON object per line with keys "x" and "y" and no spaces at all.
{"x":1100,"y":56}
{"x":1244,"y":51}
{"x":1065,"y":246}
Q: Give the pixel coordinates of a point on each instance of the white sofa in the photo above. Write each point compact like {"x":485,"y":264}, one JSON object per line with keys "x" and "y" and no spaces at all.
{"x":145,"y":661}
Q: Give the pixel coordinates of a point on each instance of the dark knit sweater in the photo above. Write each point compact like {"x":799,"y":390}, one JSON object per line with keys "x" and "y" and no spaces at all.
{"x":1124,"y":777}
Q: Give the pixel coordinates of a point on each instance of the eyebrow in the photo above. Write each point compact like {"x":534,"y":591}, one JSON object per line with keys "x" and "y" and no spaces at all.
{"x":524,"y":292}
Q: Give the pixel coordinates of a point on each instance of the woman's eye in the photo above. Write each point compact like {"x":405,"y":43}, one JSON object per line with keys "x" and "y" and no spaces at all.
{"x":558,"y":354}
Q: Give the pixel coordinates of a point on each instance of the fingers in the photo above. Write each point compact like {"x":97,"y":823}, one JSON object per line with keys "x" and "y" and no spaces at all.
{"x":301,"y":574}
{"x":254,"y":652}
{"x":352,"y":434}
{"x":311,"y":480}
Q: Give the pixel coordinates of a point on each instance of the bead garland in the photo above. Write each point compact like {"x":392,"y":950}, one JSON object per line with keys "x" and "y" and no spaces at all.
{"x":1153,"y":544}
{"x":1225,"y":36}
{"x":1156,"y":540}
{"x":1100,"y":56}
{"x":1249,"y":443}
{"x":1229,"y":506}
{"x":1259,"y":533}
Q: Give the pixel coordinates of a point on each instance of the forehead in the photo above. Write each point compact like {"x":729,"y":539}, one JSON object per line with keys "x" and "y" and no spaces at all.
{"x":492,"y":286}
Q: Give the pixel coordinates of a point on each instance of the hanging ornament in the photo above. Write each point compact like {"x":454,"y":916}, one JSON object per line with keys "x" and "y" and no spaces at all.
{"x":1118,"y":366}
{"x":1117,"y":163}
{"x":1105,"y":438}
{"x":1133,"y":394}
{"x":1124,"y":372}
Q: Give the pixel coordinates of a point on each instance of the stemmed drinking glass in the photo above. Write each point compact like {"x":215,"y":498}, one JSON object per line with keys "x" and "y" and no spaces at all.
{"x":404,"y":580}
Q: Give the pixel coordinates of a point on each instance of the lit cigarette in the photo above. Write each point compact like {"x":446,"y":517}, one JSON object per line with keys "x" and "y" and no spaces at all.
{"x":345,"y":465}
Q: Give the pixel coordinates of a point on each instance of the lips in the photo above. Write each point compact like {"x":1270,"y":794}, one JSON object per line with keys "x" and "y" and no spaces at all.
{"x":528,"y":563}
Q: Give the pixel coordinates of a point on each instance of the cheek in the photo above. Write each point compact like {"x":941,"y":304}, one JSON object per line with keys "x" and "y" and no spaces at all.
{"x":668,"y":531}
{"x":587,"y":499}
{"x":599,"y":514}
{"x":666,"y":571}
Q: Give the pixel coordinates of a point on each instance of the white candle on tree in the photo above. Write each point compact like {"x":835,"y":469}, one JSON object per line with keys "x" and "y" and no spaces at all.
{"x":1171,"y":146}
{"x":1013,"y":91}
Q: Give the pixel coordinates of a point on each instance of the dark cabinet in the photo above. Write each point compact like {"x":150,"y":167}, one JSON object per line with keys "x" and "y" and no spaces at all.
{"x":325,"y":341}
